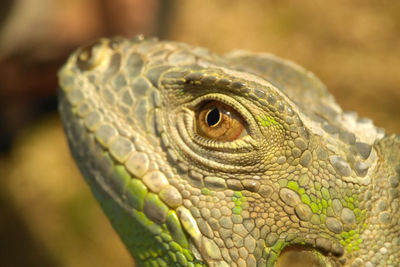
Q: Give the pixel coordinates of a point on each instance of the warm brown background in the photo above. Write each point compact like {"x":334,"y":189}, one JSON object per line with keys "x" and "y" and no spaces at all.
{"x":47,"y":215}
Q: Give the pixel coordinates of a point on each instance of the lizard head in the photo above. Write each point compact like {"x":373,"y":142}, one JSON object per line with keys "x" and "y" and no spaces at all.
{"x":236,"y":160}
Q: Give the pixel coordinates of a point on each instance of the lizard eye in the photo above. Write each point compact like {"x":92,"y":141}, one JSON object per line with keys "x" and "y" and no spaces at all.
{"x":218,"y":121}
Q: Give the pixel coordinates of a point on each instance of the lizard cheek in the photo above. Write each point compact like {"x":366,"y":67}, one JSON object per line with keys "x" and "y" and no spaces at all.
{"x":297,"y":256}
{"x":218,"y":121}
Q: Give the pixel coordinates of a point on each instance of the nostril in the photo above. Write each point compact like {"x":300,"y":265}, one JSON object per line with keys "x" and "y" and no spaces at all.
{"x":90,"y":56}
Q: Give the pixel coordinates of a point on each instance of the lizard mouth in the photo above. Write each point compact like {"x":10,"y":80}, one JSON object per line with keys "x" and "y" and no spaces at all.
{"x":301,"y":256}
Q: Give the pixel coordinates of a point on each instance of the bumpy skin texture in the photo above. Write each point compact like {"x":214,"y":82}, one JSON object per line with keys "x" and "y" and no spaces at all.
{"x":306,"y":179}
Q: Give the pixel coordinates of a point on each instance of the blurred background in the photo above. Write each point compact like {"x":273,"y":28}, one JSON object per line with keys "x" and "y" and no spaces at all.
{"x":47,"y":214}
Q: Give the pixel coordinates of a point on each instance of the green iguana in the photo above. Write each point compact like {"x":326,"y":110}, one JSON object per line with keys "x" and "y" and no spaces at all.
{"x":242,"y":159}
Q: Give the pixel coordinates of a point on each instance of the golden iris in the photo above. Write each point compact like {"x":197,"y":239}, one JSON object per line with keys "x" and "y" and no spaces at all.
{"x":218,"y":121}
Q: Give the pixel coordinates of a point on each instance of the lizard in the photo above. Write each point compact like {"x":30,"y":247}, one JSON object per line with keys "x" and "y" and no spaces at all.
{"x":241,"y":159}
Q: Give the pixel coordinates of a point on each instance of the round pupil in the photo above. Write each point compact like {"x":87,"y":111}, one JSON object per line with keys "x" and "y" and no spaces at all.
{"x":213,"y":117}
